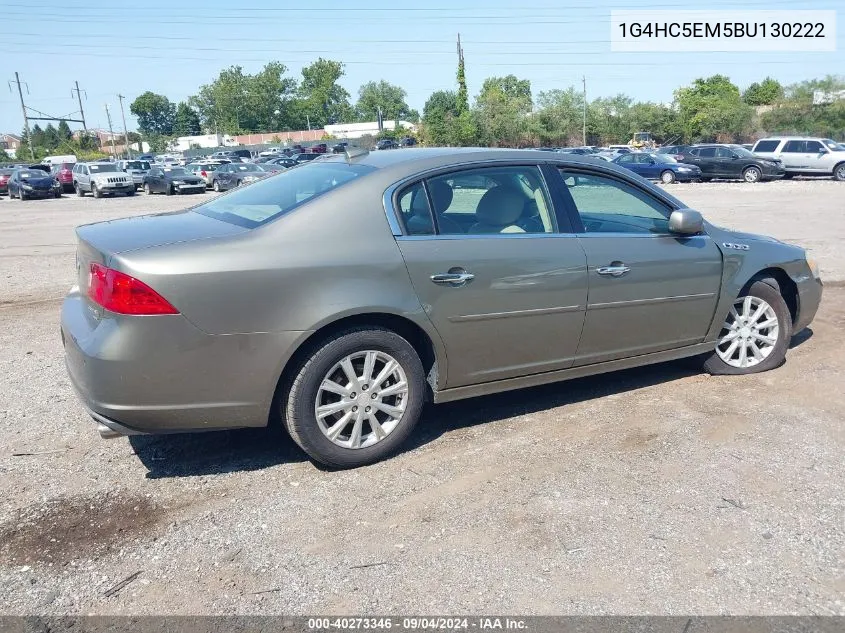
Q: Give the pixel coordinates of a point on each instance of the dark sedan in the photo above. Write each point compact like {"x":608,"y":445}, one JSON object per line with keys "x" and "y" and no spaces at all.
{"x":33,"y":183}
{"x":237,"y":174}
{"x":662,"y":167}
{"x":170,"y":180}
{"x":305,"y":157}
{"x":732,"y":162}
{"x":285,"y":162}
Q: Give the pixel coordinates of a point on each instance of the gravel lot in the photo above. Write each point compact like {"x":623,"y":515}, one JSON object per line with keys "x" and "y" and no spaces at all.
{"x":654,"y":491}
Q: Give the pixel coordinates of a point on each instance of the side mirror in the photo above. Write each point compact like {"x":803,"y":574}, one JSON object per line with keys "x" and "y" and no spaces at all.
{"x":686,"y":222}
{"x":651,"y":161}
{"x":822,"y":150}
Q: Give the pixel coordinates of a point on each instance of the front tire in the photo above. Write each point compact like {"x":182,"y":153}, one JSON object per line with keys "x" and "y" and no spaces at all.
{"x":355,"y":398}
{"x":168,"y":190}
{"x":752,"y":174}
{"x":216,"y":186}
{"x":667,"y":177}
{"x":78,"y":190}
{"x":147,"y":190}
{"x":95,"y":191}
{"x":755,"y":334}
{"x":839,"y":172}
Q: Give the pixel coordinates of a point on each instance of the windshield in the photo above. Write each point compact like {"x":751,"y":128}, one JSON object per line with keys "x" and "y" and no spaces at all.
{"x":273,"y":197}
{"x":664,"y":158}
{"x":742,"y":152}
{"x":833,"y":145}
{"x":137,"y":164}
{"x":33,"y":174}
{"x":248,"y":167}
{"x":176,"y":171}
{"x":102,"y":167}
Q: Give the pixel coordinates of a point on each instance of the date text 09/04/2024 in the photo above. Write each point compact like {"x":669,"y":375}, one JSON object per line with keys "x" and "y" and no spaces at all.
{"x":417,"y":624}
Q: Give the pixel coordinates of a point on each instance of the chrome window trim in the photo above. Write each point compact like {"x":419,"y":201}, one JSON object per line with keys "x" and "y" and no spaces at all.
{"x":482,"y":236}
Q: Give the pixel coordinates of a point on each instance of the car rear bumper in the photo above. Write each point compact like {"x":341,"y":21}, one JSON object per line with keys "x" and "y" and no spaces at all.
{"x":161,"y":374}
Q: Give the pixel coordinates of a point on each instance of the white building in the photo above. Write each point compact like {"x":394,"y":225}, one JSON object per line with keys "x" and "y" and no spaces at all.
{"x":357,"y":130}
{"x":204,"y":141}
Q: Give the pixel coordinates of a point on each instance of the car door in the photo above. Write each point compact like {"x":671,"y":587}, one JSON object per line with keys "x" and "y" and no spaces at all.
{"x":85,"y":178}
{"x":816,"y":157}
{"x":628,"y":162}
{"x":649,"y":167}
{"x":725,"y":163}
{"x":507,"y":301}
{"x":793,"y":155}
{"x":649,"y":290}
{"x":705,"y":158}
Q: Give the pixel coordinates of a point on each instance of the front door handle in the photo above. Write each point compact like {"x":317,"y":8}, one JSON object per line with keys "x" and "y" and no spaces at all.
{"x":456,"y":279}
{"x":616,"y":269}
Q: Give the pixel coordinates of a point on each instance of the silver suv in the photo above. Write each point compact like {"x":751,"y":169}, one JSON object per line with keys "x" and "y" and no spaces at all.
{"x":804,"y":155}
{"x":101,"y":179}
{"x":136,"y":169}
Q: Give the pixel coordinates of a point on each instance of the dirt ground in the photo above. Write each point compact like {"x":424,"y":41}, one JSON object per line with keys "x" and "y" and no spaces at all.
{"x":652,"y":491}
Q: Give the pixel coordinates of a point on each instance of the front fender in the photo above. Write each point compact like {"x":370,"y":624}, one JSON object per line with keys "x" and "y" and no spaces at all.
{"x":744,"y":255}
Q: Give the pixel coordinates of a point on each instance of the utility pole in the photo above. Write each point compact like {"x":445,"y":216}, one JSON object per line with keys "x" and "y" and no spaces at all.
{"x":25,"y":117}
{"x":79,"y":99}
{"x":584,"y":130}
{"x":125,"y":133}
{"x":111,"y":132}
{"x":308,"y":119}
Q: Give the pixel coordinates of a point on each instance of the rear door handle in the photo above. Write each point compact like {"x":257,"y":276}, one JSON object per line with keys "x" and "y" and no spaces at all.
{"x":456,"y":280}
{"x":616,"y":269}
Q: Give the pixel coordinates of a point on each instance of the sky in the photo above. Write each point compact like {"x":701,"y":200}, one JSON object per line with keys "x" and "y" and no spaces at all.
{"x":171,"y":48}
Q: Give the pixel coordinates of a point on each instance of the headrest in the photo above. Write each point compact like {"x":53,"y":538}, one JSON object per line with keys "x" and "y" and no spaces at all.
{"x":500,"y":206}
{"x":441,"y":195}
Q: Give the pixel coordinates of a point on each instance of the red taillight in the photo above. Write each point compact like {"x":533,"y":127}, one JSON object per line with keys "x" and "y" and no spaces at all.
{"x":203,"y":174}
{"x":118,"y":292}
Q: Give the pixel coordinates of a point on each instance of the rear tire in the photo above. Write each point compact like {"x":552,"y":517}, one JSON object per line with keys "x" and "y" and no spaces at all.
{"x":78,"y":190}
{"x":667,"y":177}
{"x":752,"y":174}
{"x":216,"y":186}
{"x":743,"y":331}
{"x":147,"y":190}
{"x":302,"y":396}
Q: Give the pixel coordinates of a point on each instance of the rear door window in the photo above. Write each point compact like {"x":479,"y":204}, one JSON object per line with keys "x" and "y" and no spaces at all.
{"x":813,"y":147}
{"x":707,"y":152}
{"x":766,"y":146}
{"x":794,"y":147}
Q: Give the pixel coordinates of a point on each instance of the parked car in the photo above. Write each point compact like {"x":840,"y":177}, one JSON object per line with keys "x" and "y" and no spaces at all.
{"x":387,"y":143}
{"x":319,"y":148}
{"x":33,"y":183}
{"x":243,"y":155}
{"x":236,"y":174}
{"x":662,"y":167}
{"x":283,"y":161}
{"x":579,"y":151}
{"x":101,"y":179}
{"x":805,"y":156}
{"x":137,"y":169}
{"x":305,"y":157}
{"x":147,"y":157}
{"x":407,"y":141}
{"x":172,"y":180}
{"x":275,"y":305}
{"x":63,"y":172}
{"x":340,"y":148}
{"x":673,"y":150}
{"x":204,"y":170}
{"x":5,"y":174}
{"x":270,"y":152}
{"x":731,"y":162}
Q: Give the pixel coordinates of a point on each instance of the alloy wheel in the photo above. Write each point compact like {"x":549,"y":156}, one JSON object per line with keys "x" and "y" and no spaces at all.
{"x":361,"y":399}
{"x":840,"y":172}
{"x":749,"y":334}
{"x":752,"y":174}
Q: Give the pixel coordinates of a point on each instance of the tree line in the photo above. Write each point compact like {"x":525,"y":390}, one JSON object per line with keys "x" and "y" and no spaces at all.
{"x":504,"y":113}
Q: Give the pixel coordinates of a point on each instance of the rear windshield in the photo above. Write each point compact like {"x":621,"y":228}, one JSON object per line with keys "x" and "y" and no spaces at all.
{"x":137,"y":164}
{"x":102,"y":167}
{"x":273,"y":197}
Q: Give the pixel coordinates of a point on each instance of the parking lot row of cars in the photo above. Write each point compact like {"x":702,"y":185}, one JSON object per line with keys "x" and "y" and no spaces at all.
{"x":767,"y":159}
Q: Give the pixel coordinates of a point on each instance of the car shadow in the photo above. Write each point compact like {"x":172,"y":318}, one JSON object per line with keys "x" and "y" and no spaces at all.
{"x":801,"y":337}
{"x":213,"y":453}
{"x":440,"y":419}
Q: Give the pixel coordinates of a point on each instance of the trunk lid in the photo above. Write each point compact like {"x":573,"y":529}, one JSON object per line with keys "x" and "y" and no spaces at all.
{"x":99,"y":242}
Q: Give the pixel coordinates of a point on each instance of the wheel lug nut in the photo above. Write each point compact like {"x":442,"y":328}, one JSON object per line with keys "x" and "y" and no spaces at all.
{"x":367,"y":410}
{"x":365,"y":387}
{"x":352,"y":395}
{"x":375,"y":395}
{"x":354,"y":409}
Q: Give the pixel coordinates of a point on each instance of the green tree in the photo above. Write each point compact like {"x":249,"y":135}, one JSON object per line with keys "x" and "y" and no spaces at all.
{"x":796,"y":113}
{"x":51,"y":137}
{"x":712,"y":109}
{"x":387,"y":97}
{"x":237,"y":102}
{"x":321,"y":96}
{"x":559,"y":117}
{"x":440,"y":118}
{"x":764,"y":93}
{"x":462,"y":98}
{"x":64,"y":131}
{"x":186,"y":122}
{"x":155,"y":113}
{"x":501,"y":111}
